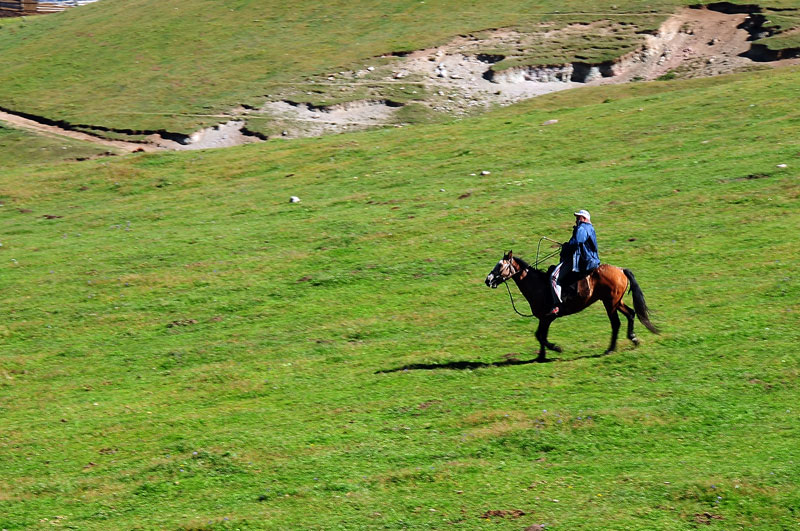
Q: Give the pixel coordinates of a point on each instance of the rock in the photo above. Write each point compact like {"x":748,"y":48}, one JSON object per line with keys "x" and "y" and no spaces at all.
{"x":550,"y":122}
{"x":781,"y":166}
{"x":486,"y":172}
{"x":179,"y":322}
{"x":294,"y":199}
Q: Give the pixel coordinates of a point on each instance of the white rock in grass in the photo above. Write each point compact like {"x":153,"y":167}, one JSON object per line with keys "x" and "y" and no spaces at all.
{"x":550,"y":122}
{"x":294,"y":199}
{"x":486,"y":172}
{"x":781,"y":166}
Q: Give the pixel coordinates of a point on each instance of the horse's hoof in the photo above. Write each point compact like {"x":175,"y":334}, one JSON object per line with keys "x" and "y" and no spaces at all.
{"x":608,"y":351}
{"x":635,"y":341}
{"x":556,"y":348}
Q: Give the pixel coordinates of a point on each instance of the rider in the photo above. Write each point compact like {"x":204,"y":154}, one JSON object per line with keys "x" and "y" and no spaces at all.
{"x":579,"y":254}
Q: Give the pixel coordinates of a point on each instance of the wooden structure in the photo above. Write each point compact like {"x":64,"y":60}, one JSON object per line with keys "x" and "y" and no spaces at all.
{"x":11,"y":8}
{"x":19,"y":8}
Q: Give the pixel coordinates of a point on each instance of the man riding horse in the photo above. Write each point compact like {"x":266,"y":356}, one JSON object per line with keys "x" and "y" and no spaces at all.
{"x":578,"y":258}
{"x":604,"y":282}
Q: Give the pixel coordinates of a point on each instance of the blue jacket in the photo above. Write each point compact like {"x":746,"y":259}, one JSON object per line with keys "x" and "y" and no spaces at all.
{"x":583,"y":247}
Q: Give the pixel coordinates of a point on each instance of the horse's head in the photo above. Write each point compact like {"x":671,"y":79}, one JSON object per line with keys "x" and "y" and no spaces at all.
{"x":505,"y":269}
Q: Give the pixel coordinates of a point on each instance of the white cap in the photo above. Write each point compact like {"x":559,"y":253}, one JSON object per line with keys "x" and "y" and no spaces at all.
{"x":584,"y":213}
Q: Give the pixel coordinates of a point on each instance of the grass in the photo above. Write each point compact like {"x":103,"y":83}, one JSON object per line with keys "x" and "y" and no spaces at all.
{"x":185,"y":349}
{"x":148,"y":65}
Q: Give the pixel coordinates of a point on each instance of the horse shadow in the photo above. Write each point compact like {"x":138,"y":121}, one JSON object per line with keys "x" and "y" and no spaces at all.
{"x":472,"y":365}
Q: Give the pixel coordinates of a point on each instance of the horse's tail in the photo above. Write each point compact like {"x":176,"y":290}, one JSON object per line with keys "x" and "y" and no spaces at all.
{"x":639,"y":305}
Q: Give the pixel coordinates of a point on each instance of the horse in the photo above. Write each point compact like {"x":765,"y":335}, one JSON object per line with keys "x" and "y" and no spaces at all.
{"x":606,"y":283}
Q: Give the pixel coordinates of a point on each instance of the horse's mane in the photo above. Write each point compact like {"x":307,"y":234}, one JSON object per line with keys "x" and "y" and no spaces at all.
{"x":525,"y":265}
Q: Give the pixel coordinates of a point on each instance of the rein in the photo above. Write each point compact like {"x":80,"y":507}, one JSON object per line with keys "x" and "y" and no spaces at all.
{"x":512,"y":300}
{"x":538,"y":260}
{"x":549,"y":255}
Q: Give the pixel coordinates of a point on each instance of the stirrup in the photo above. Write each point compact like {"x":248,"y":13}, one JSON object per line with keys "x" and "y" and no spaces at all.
{"x":553,"y":312}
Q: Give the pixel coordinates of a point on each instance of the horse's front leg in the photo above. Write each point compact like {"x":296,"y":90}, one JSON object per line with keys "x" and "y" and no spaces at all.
{"x":541,"y":335}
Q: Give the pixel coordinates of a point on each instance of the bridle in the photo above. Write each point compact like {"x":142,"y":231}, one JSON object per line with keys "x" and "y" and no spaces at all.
{"x":509,"y":263}
{"x":514,"y":273}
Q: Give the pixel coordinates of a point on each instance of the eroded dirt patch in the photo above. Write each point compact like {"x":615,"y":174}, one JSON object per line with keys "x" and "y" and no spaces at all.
{"x":693,"y":43}
{"x":303,"y":119}
{"x":498,"y":67}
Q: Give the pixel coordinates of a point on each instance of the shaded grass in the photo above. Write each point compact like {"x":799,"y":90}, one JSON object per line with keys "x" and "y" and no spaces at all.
{"x":184,"y":338}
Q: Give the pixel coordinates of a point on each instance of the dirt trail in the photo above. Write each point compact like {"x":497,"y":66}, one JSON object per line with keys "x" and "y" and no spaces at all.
{"x":458,"y":79}
{"x":55,"y":131}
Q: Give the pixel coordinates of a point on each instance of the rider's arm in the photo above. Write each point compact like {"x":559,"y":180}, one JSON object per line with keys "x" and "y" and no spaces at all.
{"x":581,"y":235}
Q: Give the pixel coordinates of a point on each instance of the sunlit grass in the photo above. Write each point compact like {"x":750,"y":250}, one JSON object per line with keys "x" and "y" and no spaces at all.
{"x":184,"y":348}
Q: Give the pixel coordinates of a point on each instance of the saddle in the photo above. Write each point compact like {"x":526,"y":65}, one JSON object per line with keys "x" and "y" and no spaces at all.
{"x":583,"y":287}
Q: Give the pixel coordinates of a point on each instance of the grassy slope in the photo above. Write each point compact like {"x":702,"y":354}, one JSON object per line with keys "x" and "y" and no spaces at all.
{"x":146,"y":64}
{"x":205,"y":55}
{"x":270,"y":411}
{"x":19,"y":148}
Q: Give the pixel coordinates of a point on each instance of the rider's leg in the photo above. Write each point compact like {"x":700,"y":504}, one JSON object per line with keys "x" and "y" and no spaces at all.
{"x":555,"y":290}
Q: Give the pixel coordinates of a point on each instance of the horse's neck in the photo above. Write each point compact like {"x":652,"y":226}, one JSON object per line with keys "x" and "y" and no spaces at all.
{"x":531,"y":287}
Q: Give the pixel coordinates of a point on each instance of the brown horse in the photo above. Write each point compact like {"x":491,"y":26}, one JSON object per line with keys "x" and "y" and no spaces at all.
{"x":607,"y":283}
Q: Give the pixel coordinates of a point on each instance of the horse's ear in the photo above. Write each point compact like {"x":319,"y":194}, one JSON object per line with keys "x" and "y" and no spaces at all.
{"x":508,"y":255}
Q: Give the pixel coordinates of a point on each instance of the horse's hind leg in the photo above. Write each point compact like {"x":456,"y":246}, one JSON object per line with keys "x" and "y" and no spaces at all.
{"x":611,"y":310}
{"x":630,"y":314}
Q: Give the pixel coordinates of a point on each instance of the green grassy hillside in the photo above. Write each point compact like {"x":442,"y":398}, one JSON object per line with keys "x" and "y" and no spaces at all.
{"x":185,"y":349}
{"x":144,"y":65}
